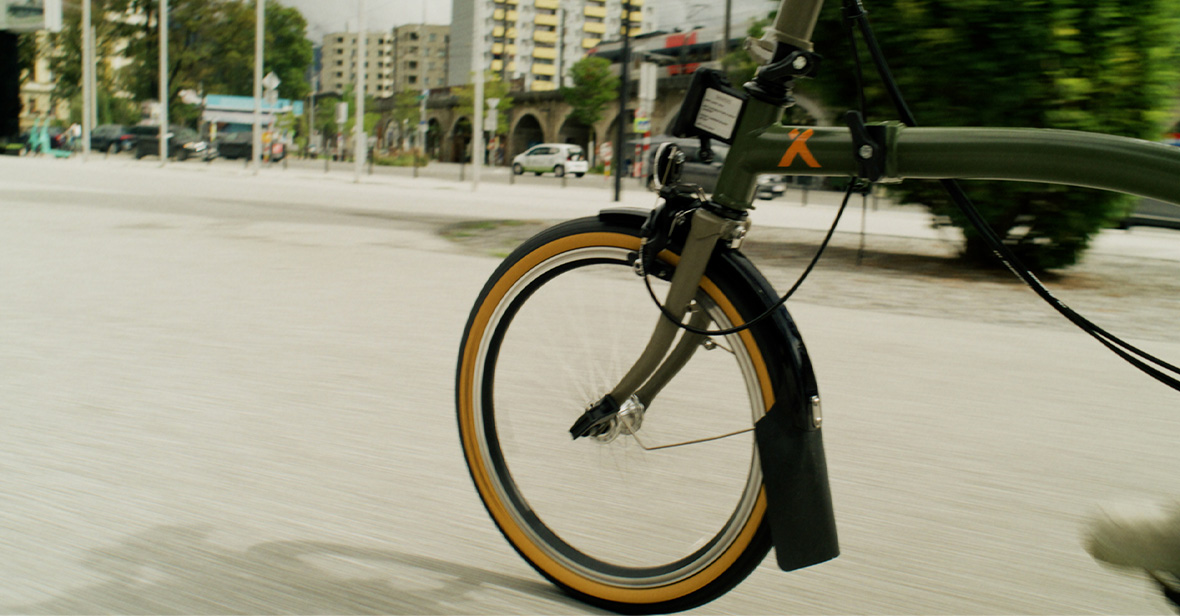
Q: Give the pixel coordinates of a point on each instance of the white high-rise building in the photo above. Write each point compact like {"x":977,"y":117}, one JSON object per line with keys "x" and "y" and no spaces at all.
{"x":339,"y":62}
{"x":536,"y":40}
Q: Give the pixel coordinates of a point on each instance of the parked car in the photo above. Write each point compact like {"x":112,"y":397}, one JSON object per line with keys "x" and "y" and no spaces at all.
{"x":183,"y":143}
{"x":695,"y":171}
{"x":560,"y":158}
{"x":112,"y":138}
{"x":770,"y":186}
{"x":241,"y":145}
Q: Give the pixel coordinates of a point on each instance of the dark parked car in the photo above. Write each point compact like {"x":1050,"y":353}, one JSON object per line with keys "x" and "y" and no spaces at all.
{"x":770,"y":186}
{"x":183,"y":143}
{"x":241,"y":145}
{"x":112,"y":138}
{"x":695,"y":170}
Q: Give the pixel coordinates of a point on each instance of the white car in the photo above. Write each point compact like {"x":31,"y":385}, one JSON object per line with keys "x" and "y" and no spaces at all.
{"x":560,"y":158}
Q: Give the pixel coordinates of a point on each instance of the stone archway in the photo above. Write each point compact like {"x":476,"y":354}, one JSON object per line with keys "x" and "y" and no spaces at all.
{"x":630,"y":139}
{"x":525,"y":134}
{"x":434,"y":139}
{"x":461,"y":140}
{"x":573,"y":131}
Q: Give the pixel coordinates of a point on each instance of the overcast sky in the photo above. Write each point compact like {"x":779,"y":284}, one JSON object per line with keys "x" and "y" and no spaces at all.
{"x":324,"y":16}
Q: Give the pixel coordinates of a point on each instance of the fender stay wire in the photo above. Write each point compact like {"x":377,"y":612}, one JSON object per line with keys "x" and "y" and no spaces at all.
{"x":1132,"y":354}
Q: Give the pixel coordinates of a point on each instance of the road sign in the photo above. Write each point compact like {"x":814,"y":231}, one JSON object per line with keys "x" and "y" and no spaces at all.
{"x":606,"y":151}
{"x":642,"y":124}
{"x":271,"y":81}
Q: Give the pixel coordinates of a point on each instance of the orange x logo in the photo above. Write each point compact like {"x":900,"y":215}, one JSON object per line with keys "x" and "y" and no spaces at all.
{"x":799,"y":148}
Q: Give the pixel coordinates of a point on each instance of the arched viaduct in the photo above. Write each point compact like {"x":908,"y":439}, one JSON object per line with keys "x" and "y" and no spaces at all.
{"x":544,"y":117}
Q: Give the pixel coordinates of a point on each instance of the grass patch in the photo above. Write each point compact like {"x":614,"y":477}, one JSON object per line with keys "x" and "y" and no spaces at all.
{"x":496,"y":238}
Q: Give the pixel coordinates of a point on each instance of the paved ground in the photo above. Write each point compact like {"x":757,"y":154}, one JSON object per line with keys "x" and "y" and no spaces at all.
{"x":223,"y":393}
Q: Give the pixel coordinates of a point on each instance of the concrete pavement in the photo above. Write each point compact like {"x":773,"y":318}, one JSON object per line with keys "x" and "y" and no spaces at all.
{"x":229,"y":394}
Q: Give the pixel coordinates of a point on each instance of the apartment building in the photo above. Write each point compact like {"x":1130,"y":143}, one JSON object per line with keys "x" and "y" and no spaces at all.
{"x":537,"y":40}
{"x":339,"y":63}
{"x":420,"y":56}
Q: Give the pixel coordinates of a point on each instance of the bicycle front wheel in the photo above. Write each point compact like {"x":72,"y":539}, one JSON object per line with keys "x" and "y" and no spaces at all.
{"x":662,"y":519}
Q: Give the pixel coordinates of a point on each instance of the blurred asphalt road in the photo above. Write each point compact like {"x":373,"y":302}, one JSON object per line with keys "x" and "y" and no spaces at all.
{"x":222,"y":393}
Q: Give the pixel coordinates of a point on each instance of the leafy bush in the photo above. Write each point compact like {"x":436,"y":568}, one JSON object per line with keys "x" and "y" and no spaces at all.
{"x":1092,"y":65}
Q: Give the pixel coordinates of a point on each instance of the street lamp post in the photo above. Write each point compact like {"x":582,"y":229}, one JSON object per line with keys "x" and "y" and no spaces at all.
{"x":360,"y":137}
{"x":259,"y":37}
{"x":163,"y":22}
{"x":623,"y":94}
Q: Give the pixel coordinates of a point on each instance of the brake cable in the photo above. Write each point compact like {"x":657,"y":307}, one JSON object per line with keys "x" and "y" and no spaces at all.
{"x":1156,"y":368}
{"x":853,"y":185}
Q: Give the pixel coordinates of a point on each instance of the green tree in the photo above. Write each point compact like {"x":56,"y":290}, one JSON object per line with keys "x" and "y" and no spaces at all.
{"x":325,"y":115}
{"x":738,"y":64}
{"x":65,"y":61}
{"x":1092,"y":65}
{"x":493,"y":87}
{"x":211,"y":48}
{"x":595,"y":87}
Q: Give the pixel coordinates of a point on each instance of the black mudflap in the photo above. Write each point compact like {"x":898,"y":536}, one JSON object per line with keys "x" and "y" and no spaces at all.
{"x":798,"y":498}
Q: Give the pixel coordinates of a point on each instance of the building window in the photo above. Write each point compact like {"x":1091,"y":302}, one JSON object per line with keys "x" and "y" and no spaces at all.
{"x":411,"y":64}
{"x":340,"y":39}
{"x":413,"y":36}
{"x":433,"y":37}
{"x":412,"y":79}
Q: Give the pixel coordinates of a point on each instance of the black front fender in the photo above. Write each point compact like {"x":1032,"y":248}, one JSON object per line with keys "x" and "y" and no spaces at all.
{"x":790,"y":444}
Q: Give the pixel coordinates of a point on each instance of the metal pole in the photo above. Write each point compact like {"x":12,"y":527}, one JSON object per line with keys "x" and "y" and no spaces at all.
{"x":87,"y":69}
{"x":315,"y":86}
{"x":163,"y":22}
{"x":725,"y":37}
{"x":477,"y":148}
{"x":259,"y":37}
{"x":422,"y":128}
{"x":93,"y":77}
{"x":361,"y":141}
{"x":623,"y":94}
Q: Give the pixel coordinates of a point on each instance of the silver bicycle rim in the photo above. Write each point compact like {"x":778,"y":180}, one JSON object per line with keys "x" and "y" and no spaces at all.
{"x":544,"y":488}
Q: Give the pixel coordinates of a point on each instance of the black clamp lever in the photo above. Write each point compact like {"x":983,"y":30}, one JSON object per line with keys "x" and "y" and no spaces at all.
{"x":867,"y":146}
{"x":773,"y":82}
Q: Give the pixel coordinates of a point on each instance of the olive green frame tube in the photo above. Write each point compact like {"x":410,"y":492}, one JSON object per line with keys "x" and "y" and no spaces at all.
{"x":1074,"y":158}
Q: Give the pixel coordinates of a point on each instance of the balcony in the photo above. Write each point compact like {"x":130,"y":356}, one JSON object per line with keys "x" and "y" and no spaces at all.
{"x":594,"y":11}
{"x":590,"y":43}
{"x":544,"y":69}
{"x":547,"y":4}
{"x":545,"y":20}
{"x":545,"y":37}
